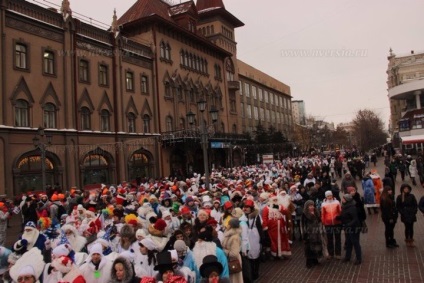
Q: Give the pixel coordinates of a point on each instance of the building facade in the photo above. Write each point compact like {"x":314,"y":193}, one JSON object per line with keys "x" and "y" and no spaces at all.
{"x":263,"y":100}
{"x":405,"y":81}
{"x":298,"y":110}
{"x":115,"y":102}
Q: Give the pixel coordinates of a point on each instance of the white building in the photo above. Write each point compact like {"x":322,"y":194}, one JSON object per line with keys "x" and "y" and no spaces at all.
{"x":298,"y":112}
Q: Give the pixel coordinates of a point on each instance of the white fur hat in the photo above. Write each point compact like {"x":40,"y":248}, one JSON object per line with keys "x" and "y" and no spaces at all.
{"x":61,"y":250}
{"x":96,"y":249}
{"x":30,"y":263}
{"x":149,"y":244}
{"x":27,"y":270}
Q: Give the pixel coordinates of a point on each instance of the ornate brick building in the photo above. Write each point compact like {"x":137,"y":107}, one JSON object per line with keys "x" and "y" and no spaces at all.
{"x":115,"y":102}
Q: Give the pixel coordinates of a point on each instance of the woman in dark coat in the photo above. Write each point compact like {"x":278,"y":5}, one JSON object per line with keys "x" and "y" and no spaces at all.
{"x":352,"y":228}
{"x":389,"y":215}
{"x":406,"y":204}
{"x":311,"y":231}
{"x":123,"y":271}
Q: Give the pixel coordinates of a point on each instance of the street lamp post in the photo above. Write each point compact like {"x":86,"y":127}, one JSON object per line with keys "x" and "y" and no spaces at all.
{"x":201,"y":105}
{"x":42,"y":141}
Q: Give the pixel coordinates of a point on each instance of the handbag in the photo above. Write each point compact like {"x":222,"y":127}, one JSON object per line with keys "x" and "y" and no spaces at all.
{"x":234,"y":265}
{"x":364,"y":228}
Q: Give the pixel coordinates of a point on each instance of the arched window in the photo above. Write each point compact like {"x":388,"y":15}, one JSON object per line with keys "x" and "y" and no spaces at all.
{"x":49,"y":115}
{"x":96,"y":168}
{"x":140,"y":165}
{"x":162,"y":50}
{"x":168,"y":52}
{"x":182,"y":57}
{"x":105,"y":120}
{"x":131,"y":122}
{"x":21,"y":113}
{"x":28,"y":172}
{"x":85,"y":118}
{"x":146,"y":123}
{"x":169,"y":127}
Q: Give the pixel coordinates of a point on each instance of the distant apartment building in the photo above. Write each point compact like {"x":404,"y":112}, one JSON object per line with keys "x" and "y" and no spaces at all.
{"x":263,"y":100}
{"x":298,"y":112}
{"x":405,"y":81}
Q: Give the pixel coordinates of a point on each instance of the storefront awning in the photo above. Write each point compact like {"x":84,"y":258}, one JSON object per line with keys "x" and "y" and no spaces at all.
{"x":413,"y":139}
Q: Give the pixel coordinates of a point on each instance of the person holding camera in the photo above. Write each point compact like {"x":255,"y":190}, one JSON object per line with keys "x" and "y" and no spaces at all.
{"x":29,"y":210}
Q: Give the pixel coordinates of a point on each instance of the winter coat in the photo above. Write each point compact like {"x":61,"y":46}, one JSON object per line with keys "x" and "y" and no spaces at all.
{"x":369,"y":190}
{"x":232,"y":246}
{"x":329,"y":211}
{"x":349,"y":216}
{"x":407,"y":207}
{"x":389,"y":212}
{"x":359,"y":203}
{"x":89,"y":271}
{"x":311,"y":231}
{"x":129,"y":276}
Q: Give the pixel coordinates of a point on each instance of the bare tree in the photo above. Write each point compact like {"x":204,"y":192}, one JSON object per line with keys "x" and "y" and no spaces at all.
{"x":368,"y":129}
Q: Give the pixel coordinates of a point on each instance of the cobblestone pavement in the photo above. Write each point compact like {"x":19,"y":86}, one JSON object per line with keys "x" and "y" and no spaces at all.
{"x":379,"y":264}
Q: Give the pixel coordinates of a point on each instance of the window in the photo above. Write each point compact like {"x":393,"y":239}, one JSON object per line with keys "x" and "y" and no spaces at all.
{"x":255,"y":113}
{"x":105,"y":120}
{"x":146,"y":123}
{"x":262,"y":114}
{"x":182,"y":123}
{"x":266,"y":96}
{"x":85,"y":118}
{"x":218,"y":75}
{"x":103,"y":75}
{"x":242,"y":109}
{"x":260,"y":93}
{"x":248,"y":111}
{"x":232,"y":105}
{"x":234,"y":129}
{"x":83,"y":71}
{"x":168,"y":52}
{"x":49,"y":115}
{"x":247,"y":89}
{"x":241,"y":87}
{"x":254,"y":92}
{"x":169,"y":124}
{"x":144,"y":85}
{"x":21,"y":113}
{"x":131,"y":122}
{"x":162,"y":49}
{"x":191,"y":94}
{"x":48,"y":62}
{"x":21,"y":56}
{"x":129,"y":81}
{"x":167,"y":90}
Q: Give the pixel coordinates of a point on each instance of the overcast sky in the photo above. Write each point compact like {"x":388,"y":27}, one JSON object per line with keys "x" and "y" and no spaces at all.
{"x":332,"y":53}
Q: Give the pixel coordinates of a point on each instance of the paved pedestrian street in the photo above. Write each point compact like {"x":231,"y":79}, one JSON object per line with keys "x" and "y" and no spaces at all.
{"x":379,"y":263}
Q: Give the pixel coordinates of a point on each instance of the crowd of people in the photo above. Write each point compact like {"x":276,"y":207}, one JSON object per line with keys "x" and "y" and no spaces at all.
{"x":170,"y":230}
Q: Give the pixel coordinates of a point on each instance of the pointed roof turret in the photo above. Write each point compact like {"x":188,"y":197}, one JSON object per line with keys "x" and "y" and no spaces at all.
{"x":211,"y":8}
{"x":209,"y":4}
{"x":145,"y":8}
{"x":114,"y":22}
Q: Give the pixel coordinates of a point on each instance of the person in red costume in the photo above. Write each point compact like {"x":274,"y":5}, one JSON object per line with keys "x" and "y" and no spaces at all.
{"x":274,"y":223}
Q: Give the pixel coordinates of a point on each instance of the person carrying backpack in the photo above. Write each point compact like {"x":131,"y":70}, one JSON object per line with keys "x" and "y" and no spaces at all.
{"x":56,"y":209}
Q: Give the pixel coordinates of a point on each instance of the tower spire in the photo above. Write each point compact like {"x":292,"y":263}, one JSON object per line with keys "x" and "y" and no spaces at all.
{"x":114,"y":27}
